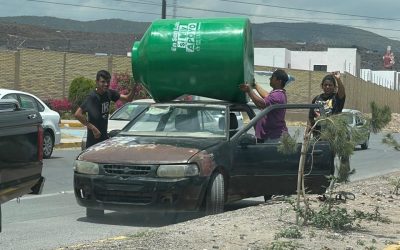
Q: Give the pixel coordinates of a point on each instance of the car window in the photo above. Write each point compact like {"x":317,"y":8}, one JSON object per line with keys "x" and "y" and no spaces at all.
{"x":28,"y":102}
{"x":359,"y":120}
{"x":196,"y":121}
{"x":128,"y":111}
{"x":11,"y":96}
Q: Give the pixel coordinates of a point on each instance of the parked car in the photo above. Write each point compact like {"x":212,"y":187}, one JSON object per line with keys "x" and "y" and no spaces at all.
{"x":122,"y":116}
{"x":21,"y":152}
{"x":358,"y":124}
{"x":177,"y":156}
{"x":51,"y":119}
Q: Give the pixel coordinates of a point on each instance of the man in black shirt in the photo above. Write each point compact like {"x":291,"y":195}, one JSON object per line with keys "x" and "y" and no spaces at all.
{"x":97,"y":106}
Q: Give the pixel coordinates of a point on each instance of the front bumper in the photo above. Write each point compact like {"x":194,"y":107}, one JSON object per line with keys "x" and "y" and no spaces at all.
{"x":139,"y":193}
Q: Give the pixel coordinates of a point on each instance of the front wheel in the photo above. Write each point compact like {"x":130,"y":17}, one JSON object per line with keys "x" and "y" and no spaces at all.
{"x":48,"y":144}
{"x":215,"y":197}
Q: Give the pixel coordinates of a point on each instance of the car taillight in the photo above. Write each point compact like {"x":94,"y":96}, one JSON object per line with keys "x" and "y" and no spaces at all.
{"x":40,"y":142}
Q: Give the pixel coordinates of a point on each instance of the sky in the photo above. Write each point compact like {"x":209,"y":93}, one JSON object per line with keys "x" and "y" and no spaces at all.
{"x":381,"y":17}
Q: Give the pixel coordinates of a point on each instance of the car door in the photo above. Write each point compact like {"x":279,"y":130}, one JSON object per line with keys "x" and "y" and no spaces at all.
{"x":260,"y":169}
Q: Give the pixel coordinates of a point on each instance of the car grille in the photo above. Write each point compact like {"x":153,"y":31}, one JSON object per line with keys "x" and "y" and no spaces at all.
{"x":127,"y":170}
{"x":122,"y":196}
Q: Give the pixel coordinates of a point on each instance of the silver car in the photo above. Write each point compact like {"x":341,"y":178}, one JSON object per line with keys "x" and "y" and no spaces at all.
{"x":51,"y":119}
{"x":356,"y":120}
{"x":123,"y":116}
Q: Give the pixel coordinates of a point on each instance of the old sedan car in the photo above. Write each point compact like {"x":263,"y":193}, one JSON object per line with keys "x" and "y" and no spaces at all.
{"x":178,"y":157}
{"x":358,"y":125}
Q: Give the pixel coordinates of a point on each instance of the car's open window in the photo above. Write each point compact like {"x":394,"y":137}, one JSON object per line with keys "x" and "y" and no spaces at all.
{"x":180,"y":120}
{"x":296,"y":120}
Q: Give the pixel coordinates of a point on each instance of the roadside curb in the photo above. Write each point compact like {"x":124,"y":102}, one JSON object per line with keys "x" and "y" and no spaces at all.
{"x":68,"y":145}
{"x":71,"y":125}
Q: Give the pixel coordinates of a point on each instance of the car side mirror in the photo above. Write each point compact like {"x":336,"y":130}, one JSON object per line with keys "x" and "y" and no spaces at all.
{"x":114,"y":132}
{"x":247,"y":139}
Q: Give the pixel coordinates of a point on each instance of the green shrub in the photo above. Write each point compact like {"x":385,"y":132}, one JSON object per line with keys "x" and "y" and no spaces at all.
{"x":292,"y":232}
{"x":78,"y":90}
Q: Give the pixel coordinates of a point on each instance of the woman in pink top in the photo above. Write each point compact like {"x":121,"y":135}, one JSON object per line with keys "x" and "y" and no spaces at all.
{"x":273,"y":125}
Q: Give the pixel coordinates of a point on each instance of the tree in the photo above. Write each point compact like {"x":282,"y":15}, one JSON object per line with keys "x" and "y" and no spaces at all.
{"x":336,"y":131}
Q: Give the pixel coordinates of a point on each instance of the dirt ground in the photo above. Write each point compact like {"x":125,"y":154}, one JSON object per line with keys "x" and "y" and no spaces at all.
{"x":258,"y":227}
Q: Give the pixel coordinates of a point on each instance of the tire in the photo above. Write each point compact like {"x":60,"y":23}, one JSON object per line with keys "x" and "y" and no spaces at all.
{"x":48,"y":144}
{"x":215,"y":196}
{"x":94,"y":213}
{"x":267,"y":197}
{"x":365,"y":145}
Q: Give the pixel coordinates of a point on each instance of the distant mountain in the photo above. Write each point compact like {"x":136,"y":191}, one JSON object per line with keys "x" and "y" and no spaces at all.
{"x":98,"y":26}
{"x":116,"y":36}
{"x":329,"y":35}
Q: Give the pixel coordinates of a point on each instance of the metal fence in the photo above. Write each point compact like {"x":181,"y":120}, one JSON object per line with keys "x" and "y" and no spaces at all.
{"x":48,"y":75}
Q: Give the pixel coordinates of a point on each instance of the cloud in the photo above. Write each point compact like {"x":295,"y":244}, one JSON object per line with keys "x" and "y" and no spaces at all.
{"x":149,"y":10}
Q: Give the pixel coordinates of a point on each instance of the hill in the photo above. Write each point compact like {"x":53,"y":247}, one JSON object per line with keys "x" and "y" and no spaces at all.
{"x":116,"y":36}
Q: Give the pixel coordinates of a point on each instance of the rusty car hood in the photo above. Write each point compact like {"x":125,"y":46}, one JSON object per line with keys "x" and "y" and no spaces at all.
{"x":146,"y":150}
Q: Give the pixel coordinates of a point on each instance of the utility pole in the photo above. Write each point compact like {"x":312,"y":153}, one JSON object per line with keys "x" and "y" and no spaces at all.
{"x":66,"y":38}
{"x":174,"y":10}
{"x":164,"y":9}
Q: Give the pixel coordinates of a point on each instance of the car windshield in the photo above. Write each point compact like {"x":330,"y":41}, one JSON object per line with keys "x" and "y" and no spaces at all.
{"x":129,"y":111}
{"x":203,"y":121}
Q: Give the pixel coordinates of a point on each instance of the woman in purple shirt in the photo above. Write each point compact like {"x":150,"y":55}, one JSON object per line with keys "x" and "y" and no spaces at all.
{"x":273,"y":125}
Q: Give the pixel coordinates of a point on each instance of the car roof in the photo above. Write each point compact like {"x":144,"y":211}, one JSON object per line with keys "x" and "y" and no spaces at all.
{"x":13,"y":91}
{"x":143,"y":101}
{"x":353,"y":111}
{"x":8,"y":91}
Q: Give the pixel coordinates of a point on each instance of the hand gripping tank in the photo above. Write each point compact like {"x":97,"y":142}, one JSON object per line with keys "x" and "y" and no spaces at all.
{"x":203,"y":57}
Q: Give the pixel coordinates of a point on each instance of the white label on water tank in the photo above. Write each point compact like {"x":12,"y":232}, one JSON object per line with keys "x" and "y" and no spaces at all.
{"x":186,"y":36}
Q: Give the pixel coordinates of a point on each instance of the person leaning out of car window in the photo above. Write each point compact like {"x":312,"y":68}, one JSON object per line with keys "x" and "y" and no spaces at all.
{"x":97,"y":106}
{"x":332,"y":98}
{"x":273,"y":125}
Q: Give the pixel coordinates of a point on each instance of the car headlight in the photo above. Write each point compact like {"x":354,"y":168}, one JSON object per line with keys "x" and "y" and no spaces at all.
{"x":85,"y":167}
{"x":177,"y":171}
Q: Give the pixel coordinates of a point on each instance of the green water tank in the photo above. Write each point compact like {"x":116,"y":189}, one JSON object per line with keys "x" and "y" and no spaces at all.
{"x":203,"y":57}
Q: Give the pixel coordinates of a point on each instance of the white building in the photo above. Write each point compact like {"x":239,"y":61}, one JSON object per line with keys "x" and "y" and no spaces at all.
{"x":387,"y":78}
{"x":334,"y":59}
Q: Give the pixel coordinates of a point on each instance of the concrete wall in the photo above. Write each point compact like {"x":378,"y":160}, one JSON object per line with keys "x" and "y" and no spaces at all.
{"x":359,"y":93}
{"x":48,"y":75}
{"x":273,"y":57}
{"x":343,"y":60}
{"x":305,"y":60}
{"x":336,"y":59}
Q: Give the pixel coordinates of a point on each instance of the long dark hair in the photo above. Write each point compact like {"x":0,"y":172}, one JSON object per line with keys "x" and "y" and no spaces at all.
{"x":329,"y":78}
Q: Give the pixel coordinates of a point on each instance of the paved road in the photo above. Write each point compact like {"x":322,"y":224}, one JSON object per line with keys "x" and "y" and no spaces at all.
{"x":54,"y":219}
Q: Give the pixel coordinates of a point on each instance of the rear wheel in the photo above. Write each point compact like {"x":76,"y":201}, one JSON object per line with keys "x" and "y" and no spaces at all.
{"x":215,"y":197}
{"x":94,"y":213}
{"x":48,"y":144}
{"x":365,"y":144}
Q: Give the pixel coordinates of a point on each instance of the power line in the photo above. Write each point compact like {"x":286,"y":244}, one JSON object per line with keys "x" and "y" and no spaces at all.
{"x":202,"y":9}
{"x":97,"y":7}
{"x":254,"y":15}
{"x":309,"y":10}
